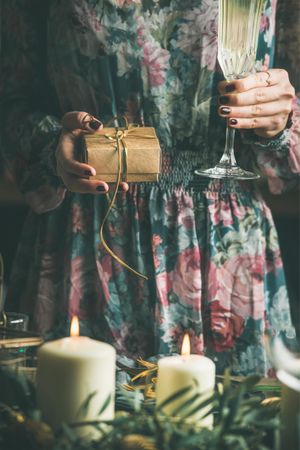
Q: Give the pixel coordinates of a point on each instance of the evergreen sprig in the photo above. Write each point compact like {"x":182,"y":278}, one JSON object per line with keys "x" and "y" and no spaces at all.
{"x":243,"y":420}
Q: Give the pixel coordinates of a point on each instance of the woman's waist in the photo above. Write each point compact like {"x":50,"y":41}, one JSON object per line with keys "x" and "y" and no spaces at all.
{"x":178,"y":170}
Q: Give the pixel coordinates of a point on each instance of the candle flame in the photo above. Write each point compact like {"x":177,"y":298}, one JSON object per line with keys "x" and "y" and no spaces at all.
{"x":74,"y":331}
{"x":186,"y":345}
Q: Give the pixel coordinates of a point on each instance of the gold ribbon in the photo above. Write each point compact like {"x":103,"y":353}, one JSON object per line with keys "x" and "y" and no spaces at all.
{"x":119,"y":137}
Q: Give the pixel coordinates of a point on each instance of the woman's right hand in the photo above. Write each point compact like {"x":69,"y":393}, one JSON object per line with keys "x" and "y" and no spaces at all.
{"x":75,"y":174}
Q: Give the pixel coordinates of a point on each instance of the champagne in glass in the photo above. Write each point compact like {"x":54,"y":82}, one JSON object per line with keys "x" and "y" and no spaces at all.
{"x":238,"y":32}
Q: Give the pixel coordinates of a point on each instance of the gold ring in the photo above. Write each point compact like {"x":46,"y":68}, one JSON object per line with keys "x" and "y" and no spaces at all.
{"x":268,"y":80}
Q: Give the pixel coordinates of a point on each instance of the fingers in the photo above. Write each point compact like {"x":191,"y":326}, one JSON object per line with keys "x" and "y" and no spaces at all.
{"x":82,"y":185}
{"x":256,"y":110}
{"x":270,"y":117}
{"x":85,"y":186}
{"x":265,"y":79}
{"x":75,"y":174}
{"x":256,"y":96}
{"x":123,"y":186}
{"x":261,"y":101}
{"x":65,"y":156}
{"x":270,"y":125}
{"x":82,"y":120}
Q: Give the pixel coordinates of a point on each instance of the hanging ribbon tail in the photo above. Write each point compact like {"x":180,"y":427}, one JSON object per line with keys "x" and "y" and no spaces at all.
{"x":119,"y":138}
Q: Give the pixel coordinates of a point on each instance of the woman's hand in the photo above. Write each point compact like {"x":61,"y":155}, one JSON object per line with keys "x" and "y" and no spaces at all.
{"x":262,"y":102}
{"x":75,"y":174}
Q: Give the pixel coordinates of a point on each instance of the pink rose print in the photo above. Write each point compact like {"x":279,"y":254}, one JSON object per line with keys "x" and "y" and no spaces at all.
{"x":163,"y":286}
{"x":294,"y":154}
{"x":239,"y":211}
{"x":238,"y":286}
{"x":45,"y":299}
{"x":220,"y":212}
{"x":267,"y":24}
{"x":105,"y":274}
{"x":197,"y":343}
{"x":264,"y":23}
{"x":77,"y":289}
{"x":266,"y":62}
{"x":121,"y":3}
{"x":198,"y":34}
{"x":154,"y":58}
{"x":225,"y":211}
{"x":226,"y":327}
{"x":79,"y":224}
{"x":184,"y":281}
{"x":181,"y":207}
{"x":156,"y":241}
{"x":186,"y":278}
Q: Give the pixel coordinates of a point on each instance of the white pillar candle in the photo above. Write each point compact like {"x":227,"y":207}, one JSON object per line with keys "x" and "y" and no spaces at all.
{"x":178,"y":372}
{"x":70,"y":371}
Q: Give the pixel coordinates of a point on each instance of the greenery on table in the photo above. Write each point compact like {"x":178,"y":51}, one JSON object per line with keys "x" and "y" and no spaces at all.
{"x":244,"y":419}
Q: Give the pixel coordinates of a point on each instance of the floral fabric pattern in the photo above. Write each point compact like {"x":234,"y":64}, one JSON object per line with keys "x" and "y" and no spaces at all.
{"x":209,"y":249}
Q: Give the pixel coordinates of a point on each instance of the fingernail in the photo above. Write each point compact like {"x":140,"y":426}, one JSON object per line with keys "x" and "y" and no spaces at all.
{"x":233,"y":122}
{"x":225,"y":110}
{"x":88,"y":173}
{"x":224,"y":99}
{"x":94,"y":124}
{"x":229,"y":87}
{"x":100,"y":188}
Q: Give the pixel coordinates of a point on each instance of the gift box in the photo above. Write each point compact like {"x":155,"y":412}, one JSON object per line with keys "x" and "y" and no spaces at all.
{"x":133,"y":151}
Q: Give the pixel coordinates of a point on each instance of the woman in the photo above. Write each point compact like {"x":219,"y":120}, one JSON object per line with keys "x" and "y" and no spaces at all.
{"x":209,"y":249}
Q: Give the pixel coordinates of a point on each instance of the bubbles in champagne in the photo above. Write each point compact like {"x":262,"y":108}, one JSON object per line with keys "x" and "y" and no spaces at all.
{"x":239,"y":22}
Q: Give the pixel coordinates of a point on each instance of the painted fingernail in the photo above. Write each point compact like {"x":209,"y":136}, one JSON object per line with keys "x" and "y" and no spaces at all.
{"x":229,"y":87}
{"x":88,"y":173}
{"x":95,"y":124}
{"x":224,"y":99}
{"x":225,"y":110}
{"x":100,"y":188}
{"x":233,"y":122}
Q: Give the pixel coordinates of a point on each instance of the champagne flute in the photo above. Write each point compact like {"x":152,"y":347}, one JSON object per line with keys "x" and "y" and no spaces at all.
{"x":238,"y":32}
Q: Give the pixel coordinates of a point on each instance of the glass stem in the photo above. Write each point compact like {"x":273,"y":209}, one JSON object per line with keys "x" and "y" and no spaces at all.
{"x":228,"y":158}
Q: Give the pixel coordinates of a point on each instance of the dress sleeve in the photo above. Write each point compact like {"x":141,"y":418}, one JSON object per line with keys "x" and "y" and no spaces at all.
{"x":279,"y":158}
{"x":29,"y":129}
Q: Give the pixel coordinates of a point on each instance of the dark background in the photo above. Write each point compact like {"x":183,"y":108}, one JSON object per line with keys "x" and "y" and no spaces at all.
{"x":285,"y":208}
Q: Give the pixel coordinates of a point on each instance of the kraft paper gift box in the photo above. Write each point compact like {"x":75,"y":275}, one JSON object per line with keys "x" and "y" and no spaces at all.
{"x":140,"y":154}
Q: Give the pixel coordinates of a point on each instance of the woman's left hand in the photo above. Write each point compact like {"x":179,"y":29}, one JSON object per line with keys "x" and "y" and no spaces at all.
{"x":261,"y":101}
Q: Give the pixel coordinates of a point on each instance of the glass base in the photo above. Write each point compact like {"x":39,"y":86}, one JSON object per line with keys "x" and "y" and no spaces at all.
{"x":224,"y":171}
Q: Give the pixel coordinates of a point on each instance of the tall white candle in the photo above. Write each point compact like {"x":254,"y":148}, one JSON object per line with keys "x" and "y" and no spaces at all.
{"x":71,"y":371}
{"x":178,"y":372}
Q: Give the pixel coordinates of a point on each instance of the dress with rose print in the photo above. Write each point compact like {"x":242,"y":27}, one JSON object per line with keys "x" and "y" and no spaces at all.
{"x":209,"y":248}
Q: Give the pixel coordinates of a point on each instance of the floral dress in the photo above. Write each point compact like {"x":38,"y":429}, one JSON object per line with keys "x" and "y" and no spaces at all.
{"x":209,"y":248}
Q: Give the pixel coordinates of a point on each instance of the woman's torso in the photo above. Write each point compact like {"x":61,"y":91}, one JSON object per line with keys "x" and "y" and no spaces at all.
{"x":155,"y":63}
